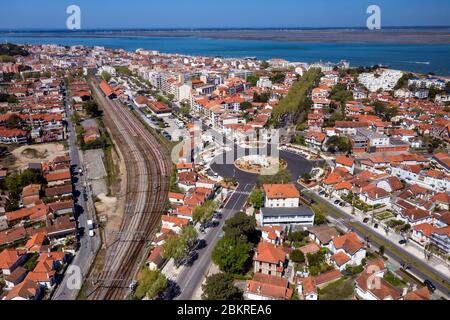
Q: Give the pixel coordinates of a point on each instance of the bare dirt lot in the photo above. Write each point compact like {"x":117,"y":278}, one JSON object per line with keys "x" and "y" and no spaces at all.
{"x":113,"y":206}
{"x":23,"y":155}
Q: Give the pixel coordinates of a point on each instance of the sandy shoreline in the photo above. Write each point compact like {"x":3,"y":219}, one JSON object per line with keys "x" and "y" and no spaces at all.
{"x":398,"y":36}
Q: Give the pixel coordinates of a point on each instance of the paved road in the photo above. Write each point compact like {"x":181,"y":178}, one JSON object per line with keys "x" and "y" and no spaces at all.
{"x":349,"y":221}
{"x":191,"y":278}
{"x":84,"y":210}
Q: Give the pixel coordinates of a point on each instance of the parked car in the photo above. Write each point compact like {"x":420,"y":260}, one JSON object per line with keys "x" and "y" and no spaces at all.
{"x":405,"y":266}
{"x":430,"y":285}
{"x":402,"y":242}
{"x":366,"y":220}
{"x":375,"y":225}
{"x":217,"y":215}
{"x":336,"y":201}
{"x":189,"y":260}
{"x":200,"y":244}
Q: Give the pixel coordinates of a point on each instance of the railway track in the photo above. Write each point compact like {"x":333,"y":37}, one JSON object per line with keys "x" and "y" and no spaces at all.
{"x":147,"y":186}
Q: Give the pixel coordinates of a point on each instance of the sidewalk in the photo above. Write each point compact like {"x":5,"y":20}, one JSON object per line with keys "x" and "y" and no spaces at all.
{"x":410,"y":247}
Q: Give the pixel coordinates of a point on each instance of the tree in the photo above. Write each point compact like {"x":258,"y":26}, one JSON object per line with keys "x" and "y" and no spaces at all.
{"x":242,"y":226}
{"x":106,"y":76}
{"x":204,"y":212}
{"x":386,"y":113}
{"x":231,"y":254}
{"x":185,"y":110}
{"x":177,"y":247}
{"x":91,"y":108}
{"x":295,"y":101}
{"x":189,"y":235}
{"x":151,"y":283}
{"x":403,"y":81}
{"x":264,"y":65}
{"x":306,"y":177}
{"x":253,"y":79}
{"x":340,"y":93}
{"x":256,"y":199}
{"x":319,"y":219}
{"x":297,"y":236}
{"x":263,"y":97}
{"x":278,"y":77}
{"x":299,"y":140}
{"x":13,"y":122}
{"x":245,"y":105}
{"x":297,"y":256}
{"x":381,"y":250}
{"x":220,"y":286}
{"x":336,"y":143}
{"x":123,"y":70}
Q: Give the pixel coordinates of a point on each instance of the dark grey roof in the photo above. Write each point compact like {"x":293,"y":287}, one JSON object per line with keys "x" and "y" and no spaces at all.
{"x":290,"y":211}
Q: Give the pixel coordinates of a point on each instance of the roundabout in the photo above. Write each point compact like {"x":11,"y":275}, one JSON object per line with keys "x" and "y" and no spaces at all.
{"x":295,"y":163}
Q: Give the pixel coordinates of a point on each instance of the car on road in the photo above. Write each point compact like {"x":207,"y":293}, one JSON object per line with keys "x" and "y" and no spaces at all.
{"x":200,"y":244}
{"x":405,"y":265}
{"x":190,"y":259}
{"x":217,"y":215}
{"x":402,"y":242}
{"x":430,"y":285}
{"x":366,"y":220}
{"x":171,"y":292}
{"x":91,"y":233}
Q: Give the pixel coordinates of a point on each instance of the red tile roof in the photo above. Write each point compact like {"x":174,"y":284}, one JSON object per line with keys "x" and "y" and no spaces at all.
{"x":277,"y":191}
{"x":267,"y":252}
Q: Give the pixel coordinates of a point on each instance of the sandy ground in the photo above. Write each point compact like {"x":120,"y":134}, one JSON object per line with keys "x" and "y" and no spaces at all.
{"x":399,"y":35}
{"x":36,"y":153}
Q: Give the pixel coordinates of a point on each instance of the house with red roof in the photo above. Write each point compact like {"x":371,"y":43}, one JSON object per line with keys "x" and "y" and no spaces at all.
{"x":307,"y":289}
{"x":273,"y":234}
{"x":269,"y":259}
{"x":156,"y":258}
{"x":10,"y":259}
{"x":26,"y":290}
{"x":370,"y":284}
{"x":173,"y":223}
{"x":373,"y":195}
{"x":267,"y":287}
{"x":347,"y":250}
{"x":346,"y":162}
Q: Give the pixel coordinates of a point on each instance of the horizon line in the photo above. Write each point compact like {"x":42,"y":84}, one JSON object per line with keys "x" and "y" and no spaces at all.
{"x":212,"y":28}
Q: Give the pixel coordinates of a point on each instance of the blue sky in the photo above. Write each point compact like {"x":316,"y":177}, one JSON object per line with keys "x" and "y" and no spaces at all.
{"x":51,"y":14}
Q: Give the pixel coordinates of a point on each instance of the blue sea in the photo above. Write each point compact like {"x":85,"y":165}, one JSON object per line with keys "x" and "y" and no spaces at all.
{"x":421,"y":58}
